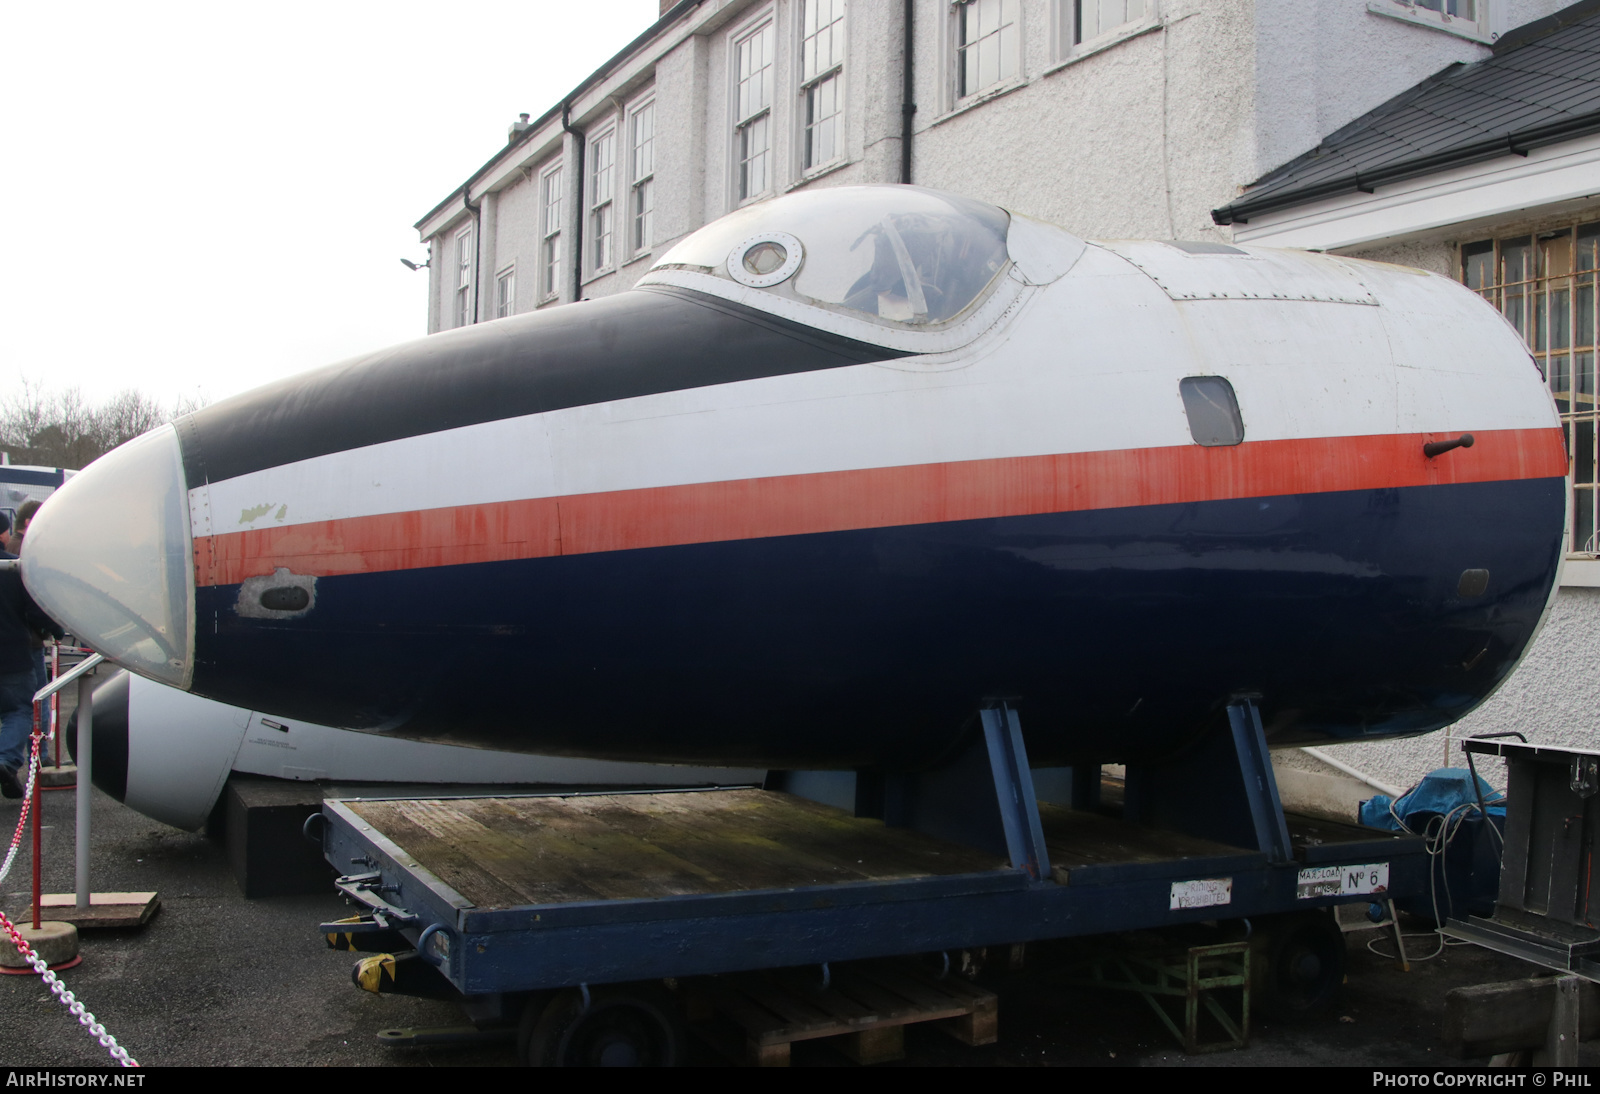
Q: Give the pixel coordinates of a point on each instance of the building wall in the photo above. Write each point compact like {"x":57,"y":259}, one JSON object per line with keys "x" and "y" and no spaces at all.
{"x":1140,"y":136}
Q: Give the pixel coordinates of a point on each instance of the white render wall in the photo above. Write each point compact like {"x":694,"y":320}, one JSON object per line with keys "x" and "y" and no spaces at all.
{"x":1141,"y":137}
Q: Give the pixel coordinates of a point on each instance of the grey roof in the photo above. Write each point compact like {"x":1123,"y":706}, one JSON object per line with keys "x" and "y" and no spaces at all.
{"x":1541,"y":86}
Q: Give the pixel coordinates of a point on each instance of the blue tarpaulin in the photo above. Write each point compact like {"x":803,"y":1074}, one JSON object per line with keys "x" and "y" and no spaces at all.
{"x":1440,"y":792}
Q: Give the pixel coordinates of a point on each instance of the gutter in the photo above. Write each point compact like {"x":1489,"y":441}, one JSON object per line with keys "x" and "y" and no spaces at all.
{"x":1366,"y":182}
{"x":477,"y":249}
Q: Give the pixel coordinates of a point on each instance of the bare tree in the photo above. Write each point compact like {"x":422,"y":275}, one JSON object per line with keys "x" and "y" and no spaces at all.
{"x":128,"y":414}
{"x":25,"y":410}
{"x":61,"y":428}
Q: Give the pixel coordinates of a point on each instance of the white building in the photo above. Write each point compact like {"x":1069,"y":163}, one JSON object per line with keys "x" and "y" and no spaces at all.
{"x":1114,"y":118}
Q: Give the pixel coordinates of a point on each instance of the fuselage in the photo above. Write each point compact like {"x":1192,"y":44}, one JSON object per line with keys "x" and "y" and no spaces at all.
{"x":711,"y":521}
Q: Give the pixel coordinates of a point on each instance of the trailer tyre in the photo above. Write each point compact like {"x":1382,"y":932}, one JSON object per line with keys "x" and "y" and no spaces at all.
{"x":1305,"y":965}
{"x":626,"y":1026}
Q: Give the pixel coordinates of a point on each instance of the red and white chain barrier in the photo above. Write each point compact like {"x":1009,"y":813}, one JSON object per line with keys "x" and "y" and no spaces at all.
{"x":67,"y":999}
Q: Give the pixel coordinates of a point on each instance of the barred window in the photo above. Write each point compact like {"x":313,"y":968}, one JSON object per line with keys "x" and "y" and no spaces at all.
{"x":1546,"y":285}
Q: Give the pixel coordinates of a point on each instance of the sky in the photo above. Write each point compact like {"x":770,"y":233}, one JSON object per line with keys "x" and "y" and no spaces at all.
{"x":208,"y":196}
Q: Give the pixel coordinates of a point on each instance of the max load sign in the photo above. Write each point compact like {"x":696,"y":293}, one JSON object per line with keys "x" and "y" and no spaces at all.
{"x":1320,"y":881}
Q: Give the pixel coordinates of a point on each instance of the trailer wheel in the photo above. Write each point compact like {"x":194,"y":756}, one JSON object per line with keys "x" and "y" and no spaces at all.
{"x":1304,"y":966}
{"x":635,"y":1025}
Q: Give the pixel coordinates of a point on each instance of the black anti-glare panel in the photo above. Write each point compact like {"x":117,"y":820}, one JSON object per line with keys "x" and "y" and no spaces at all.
{"x":636,"y":343}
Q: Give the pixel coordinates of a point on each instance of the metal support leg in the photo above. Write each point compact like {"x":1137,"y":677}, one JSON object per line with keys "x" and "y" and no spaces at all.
{"x":1013,"y":787}
{"x":85,"y":792}
{"x":1399,"y":938}
{"x":1260,"y":787}
{"x":1086,"y":787}
{"x":1221,"y":789}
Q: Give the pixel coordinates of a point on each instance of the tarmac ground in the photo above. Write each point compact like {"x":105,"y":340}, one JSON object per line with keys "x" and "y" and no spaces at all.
{"x":215,"y":979}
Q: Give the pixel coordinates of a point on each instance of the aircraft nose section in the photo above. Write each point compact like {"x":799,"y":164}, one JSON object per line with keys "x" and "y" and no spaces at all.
{"x":110,"y":557}
{"x":110,"y":735}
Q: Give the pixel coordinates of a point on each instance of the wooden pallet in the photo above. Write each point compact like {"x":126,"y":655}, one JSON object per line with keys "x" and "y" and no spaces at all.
{"x":865,"y":1006}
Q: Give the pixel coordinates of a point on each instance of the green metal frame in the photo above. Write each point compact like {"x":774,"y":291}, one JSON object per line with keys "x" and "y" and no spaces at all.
{"x":1190,"y":975}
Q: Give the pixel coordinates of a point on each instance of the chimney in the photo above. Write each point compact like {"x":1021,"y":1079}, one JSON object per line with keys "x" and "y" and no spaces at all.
{"x":518,"y":127}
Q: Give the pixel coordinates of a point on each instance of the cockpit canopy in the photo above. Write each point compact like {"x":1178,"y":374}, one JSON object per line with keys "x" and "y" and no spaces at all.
{"x":896,"y":255}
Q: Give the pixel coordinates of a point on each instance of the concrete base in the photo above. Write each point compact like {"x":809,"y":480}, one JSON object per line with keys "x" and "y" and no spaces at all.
{"x":104,"y":910}
{"x":56,"y":943}
{"x":52,"y":778}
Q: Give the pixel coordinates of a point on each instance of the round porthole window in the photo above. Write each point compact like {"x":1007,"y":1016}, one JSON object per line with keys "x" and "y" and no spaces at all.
{"x":765,"y":260}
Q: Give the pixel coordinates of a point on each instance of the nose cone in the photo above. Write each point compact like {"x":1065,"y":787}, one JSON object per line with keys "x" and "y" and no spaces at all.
{"x":110,"y":558}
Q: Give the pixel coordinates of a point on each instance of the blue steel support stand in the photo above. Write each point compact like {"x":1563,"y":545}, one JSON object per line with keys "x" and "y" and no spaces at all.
{"x":984,"y":798}
{"x":1260,"y":786}
{"x":1222,"y":789}
{"x":1013,"y":789}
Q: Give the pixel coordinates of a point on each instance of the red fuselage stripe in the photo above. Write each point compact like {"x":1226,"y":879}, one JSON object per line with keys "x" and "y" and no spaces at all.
{"x":833,"y":501}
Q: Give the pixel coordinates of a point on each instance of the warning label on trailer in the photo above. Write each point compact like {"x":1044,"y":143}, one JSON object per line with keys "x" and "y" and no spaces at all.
{"x":1205,"y":892}
{"x":1318,"y":881}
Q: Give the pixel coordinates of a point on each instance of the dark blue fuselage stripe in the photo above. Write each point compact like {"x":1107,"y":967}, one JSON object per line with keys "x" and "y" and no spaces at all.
{"x":1121,"y":632}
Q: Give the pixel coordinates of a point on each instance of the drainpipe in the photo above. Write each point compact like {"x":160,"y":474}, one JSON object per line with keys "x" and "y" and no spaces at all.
{"x":1394,"y":792}
{"x":577,"y":233}
{"x":907,"y":107}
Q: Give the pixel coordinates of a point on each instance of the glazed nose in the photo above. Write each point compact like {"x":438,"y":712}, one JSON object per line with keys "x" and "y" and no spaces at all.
{"x":109,"y":557}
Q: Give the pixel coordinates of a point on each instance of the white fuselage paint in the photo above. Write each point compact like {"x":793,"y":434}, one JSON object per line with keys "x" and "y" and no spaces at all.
{"x":1087,"y":363}
{"x":182,"y":748}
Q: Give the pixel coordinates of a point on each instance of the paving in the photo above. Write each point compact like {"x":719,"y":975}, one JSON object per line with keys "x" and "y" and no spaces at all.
{"x":215,"y":979}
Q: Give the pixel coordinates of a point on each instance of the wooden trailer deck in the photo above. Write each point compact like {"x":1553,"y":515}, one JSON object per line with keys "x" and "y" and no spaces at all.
{"x":500,"y":852}
{"x":505,"y":852}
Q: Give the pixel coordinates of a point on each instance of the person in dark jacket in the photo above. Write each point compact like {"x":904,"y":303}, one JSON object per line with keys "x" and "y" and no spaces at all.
{"x":20,"y":619}
{"x":25,"y":517}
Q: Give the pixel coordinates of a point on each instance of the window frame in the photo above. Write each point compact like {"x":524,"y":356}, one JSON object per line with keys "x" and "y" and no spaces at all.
{"x":462,"y":311}
{"x":600,"y":205}
{"x":505,"y":303}
{"x":641,"y":184}
{"x":741,"y":124}
{"x":807,"y":84}
{"x":959,"y":96}
{"x":1528,"y":301}
{"x":1064,"y":37}
{"x":1477,"y":28}
{"x":551,"y":179}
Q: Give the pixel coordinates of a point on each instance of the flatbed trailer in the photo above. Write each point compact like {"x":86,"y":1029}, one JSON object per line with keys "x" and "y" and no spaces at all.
{"x":515,"y":898}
